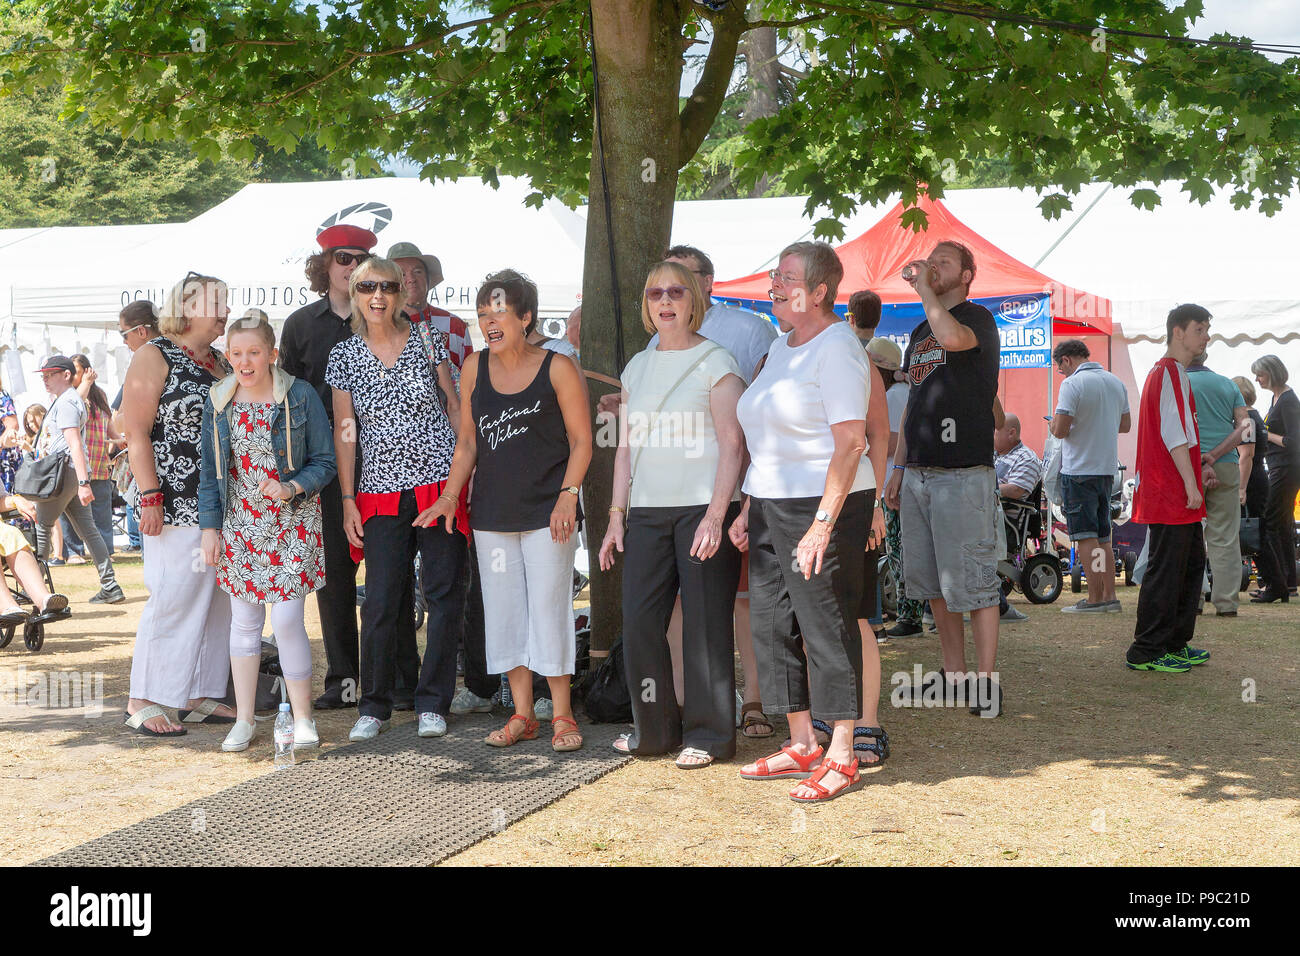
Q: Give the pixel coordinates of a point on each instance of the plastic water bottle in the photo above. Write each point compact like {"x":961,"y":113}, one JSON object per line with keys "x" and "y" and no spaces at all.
{"x":506,"y":699}
{"x":284,"y":738}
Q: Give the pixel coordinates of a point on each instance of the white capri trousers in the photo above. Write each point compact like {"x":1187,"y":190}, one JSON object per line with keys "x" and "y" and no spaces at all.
{"x":527,"y":601}
{"x":290,"y":634}
{"x":182,"y":643}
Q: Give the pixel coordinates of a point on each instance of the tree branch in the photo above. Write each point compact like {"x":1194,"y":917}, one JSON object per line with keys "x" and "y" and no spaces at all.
{"x":705,"y":101}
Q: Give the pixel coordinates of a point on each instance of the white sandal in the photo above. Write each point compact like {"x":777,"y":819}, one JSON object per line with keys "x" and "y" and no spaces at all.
{"x":697,"y":753}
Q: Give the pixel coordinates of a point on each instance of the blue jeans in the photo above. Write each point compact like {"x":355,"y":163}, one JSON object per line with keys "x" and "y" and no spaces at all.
{"x":133,"y":528}
{"x":102,"y":510}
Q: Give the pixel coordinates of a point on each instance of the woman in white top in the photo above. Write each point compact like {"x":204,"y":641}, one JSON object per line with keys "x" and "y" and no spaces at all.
{"x":680,"y":451}
{"x":810,"y":500}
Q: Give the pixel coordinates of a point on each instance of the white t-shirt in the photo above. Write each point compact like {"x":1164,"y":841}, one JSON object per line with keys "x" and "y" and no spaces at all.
{"x":788,"y":411}
{"x":1097,"y":400}
{"x":746,"y":335}
{"x":66,"y":411}
{"x":675,"y":450}
{"x":1176,"y":430}
{"x":896,"y":399}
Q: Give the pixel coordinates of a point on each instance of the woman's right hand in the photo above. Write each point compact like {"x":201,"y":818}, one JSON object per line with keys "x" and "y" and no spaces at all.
{"x":211,"y":546}
{"x":352,"y":523}
{"x":151,"y":520}
{"x":613,"y":539}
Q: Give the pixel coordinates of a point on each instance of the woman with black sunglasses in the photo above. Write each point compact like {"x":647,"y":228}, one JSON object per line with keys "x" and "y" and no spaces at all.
{"x":386,"y":380}
{"x":305,"y":343}
{"x":676,"y":478}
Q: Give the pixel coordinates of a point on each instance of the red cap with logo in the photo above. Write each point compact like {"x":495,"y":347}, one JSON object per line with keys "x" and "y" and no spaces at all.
{"x":346,"y":237}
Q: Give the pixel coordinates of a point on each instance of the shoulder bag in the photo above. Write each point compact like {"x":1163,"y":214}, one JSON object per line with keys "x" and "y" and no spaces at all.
{"x":40,"y":479}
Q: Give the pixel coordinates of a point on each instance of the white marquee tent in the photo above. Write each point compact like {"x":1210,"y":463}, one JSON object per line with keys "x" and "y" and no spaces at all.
{"x":61,"y":289}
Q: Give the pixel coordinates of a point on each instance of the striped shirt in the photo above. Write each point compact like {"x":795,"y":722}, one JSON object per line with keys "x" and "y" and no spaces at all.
{"x":1019,"y":467}
{"x":454,"y":328}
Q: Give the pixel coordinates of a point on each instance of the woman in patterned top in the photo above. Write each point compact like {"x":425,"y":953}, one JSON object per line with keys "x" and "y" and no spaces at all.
{"x":99,"y":434}
{"x":389,"y":382}
{"x":267,"y":452}
{"x":181,"y":645}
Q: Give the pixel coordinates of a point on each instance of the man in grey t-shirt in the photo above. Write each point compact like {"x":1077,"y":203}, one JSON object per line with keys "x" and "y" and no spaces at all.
{"x":64,"y":431}
{"x":1091,"y":411}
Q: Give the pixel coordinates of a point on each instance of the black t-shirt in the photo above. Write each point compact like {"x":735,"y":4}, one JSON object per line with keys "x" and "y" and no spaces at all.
{"x":309,"y":335}
{"x":949,"y":421}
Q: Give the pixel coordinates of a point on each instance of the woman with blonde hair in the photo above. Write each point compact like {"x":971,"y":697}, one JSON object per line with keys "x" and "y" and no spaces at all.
{"x":181,"y":645}
{"x":676,"y":486}
{"x":390,"y":382}
{"x":1250,"y":458}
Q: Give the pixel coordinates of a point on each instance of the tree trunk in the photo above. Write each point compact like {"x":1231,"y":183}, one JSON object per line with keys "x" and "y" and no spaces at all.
{"x":638,"y":63}
{"x":763,"y":74}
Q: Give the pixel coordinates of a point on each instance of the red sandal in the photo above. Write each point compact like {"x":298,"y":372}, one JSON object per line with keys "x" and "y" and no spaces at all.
{"x":853,"y":781}
{"x":561,"y":734}
{"x":504,"y":737}
{"x":804,"y":764}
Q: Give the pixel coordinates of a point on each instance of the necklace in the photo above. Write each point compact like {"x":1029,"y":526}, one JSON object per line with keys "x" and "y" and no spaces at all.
{"x":210,"y":363}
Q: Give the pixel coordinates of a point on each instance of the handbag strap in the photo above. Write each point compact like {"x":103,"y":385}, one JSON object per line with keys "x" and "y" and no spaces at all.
{"x":45,"y":422}
{"x":664,"y":401}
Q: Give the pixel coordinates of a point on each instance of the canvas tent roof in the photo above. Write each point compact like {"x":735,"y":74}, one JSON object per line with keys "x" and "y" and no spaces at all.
{"x":875,"y":259}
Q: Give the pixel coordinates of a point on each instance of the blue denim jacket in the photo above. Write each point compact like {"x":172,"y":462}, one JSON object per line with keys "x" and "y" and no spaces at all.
{"x":300,"y":432}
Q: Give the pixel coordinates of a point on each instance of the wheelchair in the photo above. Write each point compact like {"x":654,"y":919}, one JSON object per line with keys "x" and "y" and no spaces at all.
{"x":34,"y":630}
{"x":1029,"y":564}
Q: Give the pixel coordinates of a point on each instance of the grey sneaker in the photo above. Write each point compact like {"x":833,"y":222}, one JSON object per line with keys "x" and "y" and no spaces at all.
{"x":432,"y":725}
{"x":1113,"y":607}
{"x":367,"y":728}
{"x":543,"y":709}
{"x":111,"y":595}
{"x":1083,"y":607}
{"x":1014,"y":615}
{"x":468,"y":702}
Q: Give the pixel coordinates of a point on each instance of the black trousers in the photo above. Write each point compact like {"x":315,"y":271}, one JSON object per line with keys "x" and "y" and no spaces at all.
{"x":1277,"y":530}
{"x":1171,"y":591}
{"x":657,"y":547}
{"x":337,"y":604}
{"x":823,"y":653}
{"x":473,"y":636}
{"x":387,"y":623}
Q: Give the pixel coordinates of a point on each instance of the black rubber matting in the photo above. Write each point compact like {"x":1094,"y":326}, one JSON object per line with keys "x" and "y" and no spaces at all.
{"x":397,"y":800}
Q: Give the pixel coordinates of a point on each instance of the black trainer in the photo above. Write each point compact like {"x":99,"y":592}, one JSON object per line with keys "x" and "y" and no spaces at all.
{"x":904,"y":629}
{"x":113,"y":595}
{"x":332,"y":699}
{"x":987,"y":699}
{"x":928,"y":694}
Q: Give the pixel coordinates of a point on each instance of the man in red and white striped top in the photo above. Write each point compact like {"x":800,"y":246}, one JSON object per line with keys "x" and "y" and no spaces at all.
{"x":420,"y":273}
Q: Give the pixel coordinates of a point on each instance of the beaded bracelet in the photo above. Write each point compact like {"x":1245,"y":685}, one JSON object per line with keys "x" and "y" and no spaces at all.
{"x":151,"y":501}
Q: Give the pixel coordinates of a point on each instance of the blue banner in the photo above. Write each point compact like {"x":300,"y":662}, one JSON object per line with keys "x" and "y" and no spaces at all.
{"x":1024,"y":324}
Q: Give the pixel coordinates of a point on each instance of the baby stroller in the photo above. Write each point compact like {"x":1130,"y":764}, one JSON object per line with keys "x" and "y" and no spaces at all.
{"x":1122,"y":541}
{"x":34,"y":629}
{"x":1028,"y":564}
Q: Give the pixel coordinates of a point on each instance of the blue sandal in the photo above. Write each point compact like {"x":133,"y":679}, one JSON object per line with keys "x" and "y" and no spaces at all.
{"x":870,"y":740}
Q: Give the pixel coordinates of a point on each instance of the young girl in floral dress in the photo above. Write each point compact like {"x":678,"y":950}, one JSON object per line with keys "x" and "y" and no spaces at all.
{"x":268,"y":449}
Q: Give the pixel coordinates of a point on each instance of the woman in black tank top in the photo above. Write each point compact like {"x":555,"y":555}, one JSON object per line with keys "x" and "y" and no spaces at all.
{"x":525,"y":437}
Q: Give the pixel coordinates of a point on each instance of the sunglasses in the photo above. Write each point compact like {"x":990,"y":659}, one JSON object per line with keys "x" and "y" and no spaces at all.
{"x":347,"y":258}
{"x":368,"y":287}
{"x":674,"y":292}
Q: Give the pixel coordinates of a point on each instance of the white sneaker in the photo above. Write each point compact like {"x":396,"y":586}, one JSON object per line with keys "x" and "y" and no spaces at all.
{"x":543,"y":709}
{"x":304,"y":734}
{"x":238,"y":738}
{"x":468,"y":702}
{"x":432,"y":725}
{"x":367,"y":728}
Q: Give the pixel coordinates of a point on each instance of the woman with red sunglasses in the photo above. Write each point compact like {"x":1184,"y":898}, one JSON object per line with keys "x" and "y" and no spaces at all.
{"x":390,"y":381}
{"x":675,"y":493}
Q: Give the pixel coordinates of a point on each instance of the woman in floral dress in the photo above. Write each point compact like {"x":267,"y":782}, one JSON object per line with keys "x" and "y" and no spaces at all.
{"x":267,"y":451}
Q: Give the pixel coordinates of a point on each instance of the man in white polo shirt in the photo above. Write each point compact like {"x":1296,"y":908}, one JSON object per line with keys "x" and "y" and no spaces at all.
{"x":1091,"y":411}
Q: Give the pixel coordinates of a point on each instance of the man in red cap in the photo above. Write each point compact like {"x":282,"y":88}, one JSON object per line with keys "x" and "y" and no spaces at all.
{"x":305,"y":345}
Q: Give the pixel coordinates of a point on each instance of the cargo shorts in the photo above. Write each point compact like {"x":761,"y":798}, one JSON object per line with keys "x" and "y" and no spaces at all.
{"x":950,"y":529}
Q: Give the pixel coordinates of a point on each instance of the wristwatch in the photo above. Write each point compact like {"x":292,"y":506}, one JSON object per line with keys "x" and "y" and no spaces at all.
{"x":573,"y":490}
{"x":823,"y":516}
{"x":83,"y":484}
